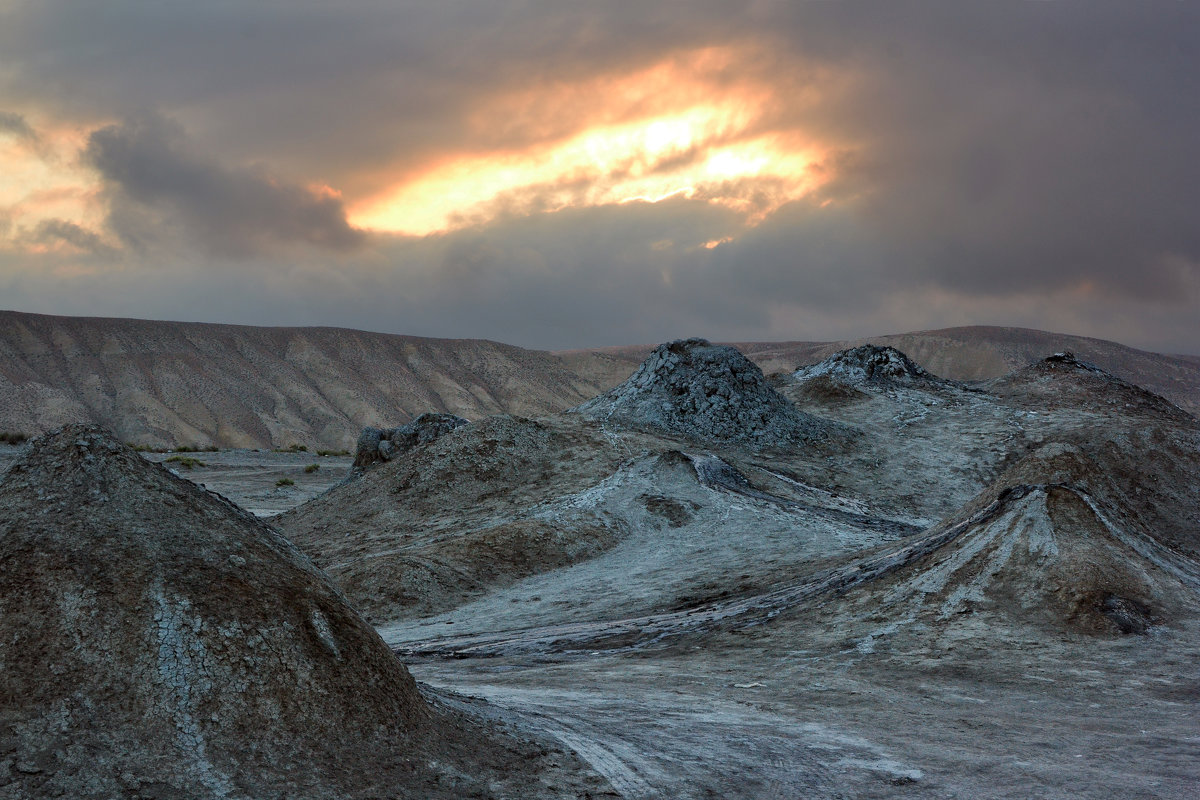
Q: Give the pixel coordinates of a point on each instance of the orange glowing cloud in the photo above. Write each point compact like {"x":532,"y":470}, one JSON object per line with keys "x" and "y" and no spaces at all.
{"x":688,"y":126}
{"x":42,"y":180}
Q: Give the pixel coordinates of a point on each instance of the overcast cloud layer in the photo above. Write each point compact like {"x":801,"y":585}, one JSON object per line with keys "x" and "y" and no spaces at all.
{"x":1024,"y":164}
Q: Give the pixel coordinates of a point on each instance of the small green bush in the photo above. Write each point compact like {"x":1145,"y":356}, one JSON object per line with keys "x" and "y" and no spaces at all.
{"x":292,"y":448}
{"x":311,"y":468}
{"x":285,"y":482}
{"x":185,"y":461}
{"x":333,"y":452}
{"x":12,"y":437}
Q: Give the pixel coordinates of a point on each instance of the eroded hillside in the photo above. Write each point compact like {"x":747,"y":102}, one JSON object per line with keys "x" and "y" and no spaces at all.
{"x":177,"y":383}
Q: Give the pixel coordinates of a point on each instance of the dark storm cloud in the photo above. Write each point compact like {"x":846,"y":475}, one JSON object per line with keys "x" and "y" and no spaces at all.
{"x":156,"y":184}
{"x":14,"y":124}
{"x":1034,"y":146}
{"x":1028,"y":162}
{"x":341,"y":86}
{"x":55,"y":231}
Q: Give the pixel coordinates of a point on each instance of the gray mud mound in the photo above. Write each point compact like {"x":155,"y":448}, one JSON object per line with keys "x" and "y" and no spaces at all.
{"x":1057,"y":554}
{"x":158,"y":642}
{"x":705,"y":392}
{"x":871,"y":365}
{"x":447,"y":521}
{"x":1064,"y":381}
{"x":380,"y":445}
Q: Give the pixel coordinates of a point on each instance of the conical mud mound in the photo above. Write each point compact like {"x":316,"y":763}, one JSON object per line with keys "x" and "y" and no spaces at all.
{"x":1064,"y":381}
{"x":869,"y":365}
{"x":157,"y":641}
{"x":708,"y":392}
{"x":1049,"y":553}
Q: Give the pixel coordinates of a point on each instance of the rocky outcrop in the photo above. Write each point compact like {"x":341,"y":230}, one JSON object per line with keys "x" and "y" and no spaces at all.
{"x":158,"y":641}
{"x":707,"y":392}
{"x":380,"y":445}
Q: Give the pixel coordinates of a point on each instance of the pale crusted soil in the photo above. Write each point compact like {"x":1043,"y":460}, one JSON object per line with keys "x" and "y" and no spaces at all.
{"x":985,"y":594}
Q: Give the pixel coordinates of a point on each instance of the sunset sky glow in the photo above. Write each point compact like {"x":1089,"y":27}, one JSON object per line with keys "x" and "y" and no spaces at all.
{"x":564,"y":175}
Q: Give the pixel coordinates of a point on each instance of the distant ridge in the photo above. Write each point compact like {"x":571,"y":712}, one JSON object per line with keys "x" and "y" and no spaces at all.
{"x":972,"y":353}
{"x":184,"y":383}
{"x":176,"y":383}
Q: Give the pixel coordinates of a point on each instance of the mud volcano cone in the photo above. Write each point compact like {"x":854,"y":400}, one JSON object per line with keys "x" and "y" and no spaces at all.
{"x":706,"y":392}
{"x":869,"y":364}
{"x":158,"y":641}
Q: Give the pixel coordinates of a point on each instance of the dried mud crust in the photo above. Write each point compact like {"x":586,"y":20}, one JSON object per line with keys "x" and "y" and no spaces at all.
{"x":157,"y":641}
{"x":1003,"y":548}
{"x":452,"y":518}
{"x":1063,"y":381}
{"x":709,"y":393}
{"x":869,"y":364}
{"x":378,"y":445}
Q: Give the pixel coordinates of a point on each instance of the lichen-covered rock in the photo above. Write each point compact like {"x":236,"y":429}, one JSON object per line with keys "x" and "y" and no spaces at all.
{"x":158,"y":641}
{"x":870,"y":365}
{"x":708,"y":392}
{"x":379,"y":445}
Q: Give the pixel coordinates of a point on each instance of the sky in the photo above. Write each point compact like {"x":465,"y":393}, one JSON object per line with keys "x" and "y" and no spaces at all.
{"x":574,"y":174}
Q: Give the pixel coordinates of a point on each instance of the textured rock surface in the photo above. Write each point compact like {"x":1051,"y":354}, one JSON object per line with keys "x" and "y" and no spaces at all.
{"x":157,"y":641}
{"x":707,"y":392}
{"x":379,"y":445}
{"x":868,"y":364}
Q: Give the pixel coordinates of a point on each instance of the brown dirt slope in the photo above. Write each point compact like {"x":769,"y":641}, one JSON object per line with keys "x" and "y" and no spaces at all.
{"x":157,"y":641}
{"x":173,"y":383}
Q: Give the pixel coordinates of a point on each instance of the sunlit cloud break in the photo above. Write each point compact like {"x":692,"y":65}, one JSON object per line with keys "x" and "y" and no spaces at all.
{"x":682,"y":127}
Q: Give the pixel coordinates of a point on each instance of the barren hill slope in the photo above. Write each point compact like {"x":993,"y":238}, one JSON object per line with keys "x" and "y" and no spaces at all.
{"x":169,"y":383}
{"x":177,"y":383}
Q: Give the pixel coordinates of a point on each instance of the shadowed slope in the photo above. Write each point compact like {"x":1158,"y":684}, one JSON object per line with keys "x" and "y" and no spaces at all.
{"x":157,"y":640}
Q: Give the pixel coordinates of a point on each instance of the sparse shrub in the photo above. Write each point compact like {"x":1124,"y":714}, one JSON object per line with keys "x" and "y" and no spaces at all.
{"x":292,"y":448}
{"x":185,"y":461}
{"x":285,"y":482}
{"x":311,"y":468}
{"x":140,"y":448}
{"x":333,"y":452}
{"x":195,"y":448}
{"x":12,"y":437}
